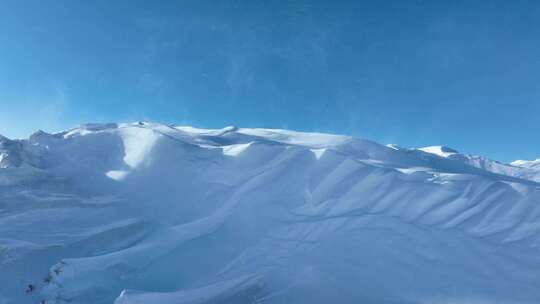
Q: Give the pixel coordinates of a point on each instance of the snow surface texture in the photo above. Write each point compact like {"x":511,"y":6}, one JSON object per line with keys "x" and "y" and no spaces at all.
{"x":148,"y":213}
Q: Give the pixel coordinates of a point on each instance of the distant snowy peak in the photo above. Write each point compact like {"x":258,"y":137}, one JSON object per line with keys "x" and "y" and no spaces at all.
{"x":527,"y":163}
{"x":519,"y":169}
{"x":477,"y":161}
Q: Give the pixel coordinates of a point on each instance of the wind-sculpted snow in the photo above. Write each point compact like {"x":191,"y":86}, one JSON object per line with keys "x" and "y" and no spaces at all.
{"x":149,"y":213}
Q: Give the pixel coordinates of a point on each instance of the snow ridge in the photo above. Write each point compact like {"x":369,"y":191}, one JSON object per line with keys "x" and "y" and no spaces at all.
{"x":152,"y":213}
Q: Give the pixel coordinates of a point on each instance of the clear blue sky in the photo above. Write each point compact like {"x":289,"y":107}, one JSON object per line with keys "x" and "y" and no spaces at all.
{"x":461,"y":73}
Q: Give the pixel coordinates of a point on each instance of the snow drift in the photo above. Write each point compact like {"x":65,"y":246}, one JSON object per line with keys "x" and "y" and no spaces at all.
{"x":150,"y":213}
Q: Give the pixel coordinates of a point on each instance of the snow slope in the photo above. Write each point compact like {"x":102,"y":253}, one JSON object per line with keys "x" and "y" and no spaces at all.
{"x":150,"y":213}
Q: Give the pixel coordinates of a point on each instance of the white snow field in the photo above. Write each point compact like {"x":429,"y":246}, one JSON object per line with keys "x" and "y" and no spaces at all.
{"x":145,"y":213}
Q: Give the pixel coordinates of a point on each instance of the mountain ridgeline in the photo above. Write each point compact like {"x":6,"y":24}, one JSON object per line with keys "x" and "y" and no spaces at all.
{"x":141,"y":212}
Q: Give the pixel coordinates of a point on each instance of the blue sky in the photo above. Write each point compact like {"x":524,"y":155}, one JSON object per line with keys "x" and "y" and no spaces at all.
{"x":460,"y":73}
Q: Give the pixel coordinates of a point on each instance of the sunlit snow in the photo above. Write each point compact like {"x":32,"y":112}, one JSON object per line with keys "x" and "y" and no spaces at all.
{"x":144,"y":213}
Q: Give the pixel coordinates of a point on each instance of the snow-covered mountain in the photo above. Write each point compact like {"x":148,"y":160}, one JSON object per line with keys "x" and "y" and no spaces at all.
{"x":150,"y":213}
